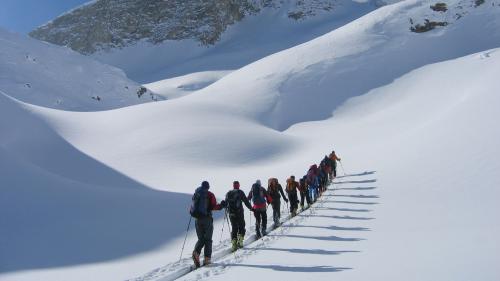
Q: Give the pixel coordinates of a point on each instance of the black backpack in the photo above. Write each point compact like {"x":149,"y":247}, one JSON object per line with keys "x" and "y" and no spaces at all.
{"x":199,"y":204}
{"x":233,"y":200}
{"x":258,"y":194}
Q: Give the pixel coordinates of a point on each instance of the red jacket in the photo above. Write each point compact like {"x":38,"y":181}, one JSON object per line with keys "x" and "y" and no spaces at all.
{"x":212,"y":202}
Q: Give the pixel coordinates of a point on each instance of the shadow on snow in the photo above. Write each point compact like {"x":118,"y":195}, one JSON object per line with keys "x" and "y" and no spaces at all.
{"x":333,"y":227}
{"x":307,"y":251}
{"x":319,"y":268}
{"x":323,"y":238}
{"x":356,"y":188}
{"x":358,"y":174}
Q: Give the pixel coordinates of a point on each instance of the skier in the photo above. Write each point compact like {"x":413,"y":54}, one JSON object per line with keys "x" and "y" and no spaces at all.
{"x":203,"y":204}
{"x":304,"y":193}
{"x":312,"y":182}
{"x":327,"y":166}
{"x":274,"y":190}
{"x":291,"y":190}
{"x":323,"y":178}
{"x":234,"y":199}
{"x":260,"y":197}
{"x":334,"y":158}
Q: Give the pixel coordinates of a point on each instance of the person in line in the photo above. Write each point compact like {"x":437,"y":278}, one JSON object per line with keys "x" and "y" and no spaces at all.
{"x":328,"y":168}
{"x":203,"y":203}
{"x":304,"y":193}
{"x":291,"y":190}
{"x":334,"y":158}
{"x":235,"y":199}
{"x":312,"y":182}
{"x":275,"y":190}
{"x":260,"y":198}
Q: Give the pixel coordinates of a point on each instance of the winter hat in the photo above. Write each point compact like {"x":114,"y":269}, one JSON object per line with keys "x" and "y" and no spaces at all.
{"x":236,"y":185}
{"x":258,"y":182}
{"x":205,"y":184}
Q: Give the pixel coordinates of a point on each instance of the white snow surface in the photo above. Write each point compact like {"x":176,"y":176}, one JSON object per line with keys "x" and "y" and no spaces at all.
{"x":184,"y":85}
{"x":105,"y":194}
{"x":57,"y":77}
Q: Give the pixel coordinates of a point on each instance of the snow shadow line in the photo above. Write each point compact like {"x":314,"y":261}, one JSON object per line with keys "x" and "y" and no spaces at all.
{"x":356,"y":188}
{"x":344,"y":209}
{"x":358,"y":174}
{"x":342,"y":217}
{"x":350,"y":202}
{"x":323,"y":238}
{"x":334,"y":227}
{"x":361,"y":181}
{"x":307,"y":251}
{"x":319,"y":268}
{"x":357,"y":196}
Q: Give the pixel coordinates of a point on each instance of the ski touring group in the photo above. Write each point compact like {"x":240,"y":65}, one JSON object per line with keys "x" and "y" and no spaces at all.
{"x":309,"y":187}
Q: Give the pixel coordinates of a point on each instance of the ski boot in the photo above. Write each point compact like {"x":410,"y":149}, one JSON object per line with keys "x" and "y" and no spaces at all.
{"x":234,"y":245}
{"x":240,"y":241}
{"x":257,"y":233}
{"x":207,"y":261}
{"x":196,"y":259}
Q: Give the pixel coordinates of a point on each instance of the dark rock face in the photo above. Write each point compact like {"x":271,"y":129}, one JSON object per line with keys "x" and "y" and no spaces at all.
{"x":107,"y":24}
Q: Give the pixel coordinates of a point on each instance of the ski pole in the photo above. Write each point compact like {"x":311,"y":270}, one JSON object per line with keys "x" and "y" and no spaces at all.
{"x":228,"y":225}
{"x":185,"y":238}
{"x":223,"y":223}
{"x":342,"y":166}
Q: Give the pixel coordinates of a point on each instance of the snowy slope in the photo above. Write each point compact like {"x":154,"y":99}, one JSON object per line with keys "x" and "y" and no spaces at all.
{"x":184,"y":85}
{"x":429,"y":210}
{"x":415,"y":132}
{"x":56,"y":77}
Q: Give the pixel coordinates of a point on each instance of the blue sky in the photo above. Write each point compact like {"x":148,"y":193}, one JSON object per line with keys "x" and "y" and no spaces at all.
{"x":22,"y":16}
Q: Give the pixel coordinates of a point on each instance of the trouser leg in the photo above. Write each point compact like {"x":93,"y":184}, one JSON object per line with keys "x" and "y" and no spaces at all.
{"x":204,"y":231}
{"x":200,"y":233}
{"x":257,"y":221}
{"x":233,"y":218}
{"x":241,"y":224}
{"x":264,"y":220}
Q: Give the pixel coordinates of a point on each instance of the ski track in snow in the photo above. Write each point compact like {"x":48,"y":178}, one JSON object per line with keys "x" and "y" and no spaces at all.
{"x":330,"y":206}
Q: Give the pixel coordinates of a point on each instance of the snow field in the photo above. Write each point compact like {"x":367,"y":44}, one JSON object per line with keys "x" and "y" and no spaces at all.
{"x":427,"y":126}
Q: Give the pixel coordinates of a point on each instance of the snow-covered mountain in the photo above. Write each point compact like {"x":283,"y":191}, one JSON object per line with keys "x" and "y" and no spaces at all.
{"x":149,"y":39}
{"x":406,"y":95}
{"x":57,"y":77}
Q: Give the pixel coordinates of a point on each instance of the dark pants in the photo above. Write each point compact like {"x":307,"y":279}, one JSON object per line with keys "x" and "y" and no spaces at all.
{"x":237,"y":220}
{"x":260,"y":218}
{"x":308,"y":197}
{"x":294,"y":202}
{"x":204,"y":231}
{"x":276,"y":210}
{"x":334,"y":168}
{"x":302,"y":198}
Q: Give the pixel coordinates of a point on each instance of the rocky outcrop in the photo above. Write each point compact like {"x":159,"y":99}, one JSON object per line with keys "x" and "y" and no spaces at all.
{"x":107,"y":24}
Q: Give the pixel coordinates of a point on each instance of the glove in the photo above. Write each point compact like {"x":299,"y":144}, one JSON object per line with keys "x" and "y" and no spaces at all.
{"x":286,"y":200}
{"x":252,"y":210}
{"x":223,"y":204}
